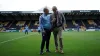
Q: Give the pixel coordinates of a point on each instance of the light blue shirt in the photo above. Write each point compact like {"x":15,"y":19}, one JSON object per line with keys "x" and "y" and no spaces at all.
{"x":45,"y":21}
{"x":26,"y":27}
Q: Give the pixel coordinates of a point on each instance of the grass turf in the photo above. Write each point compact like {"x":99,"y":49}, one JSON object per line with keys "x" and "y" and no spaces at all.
{"x":75,"y":44}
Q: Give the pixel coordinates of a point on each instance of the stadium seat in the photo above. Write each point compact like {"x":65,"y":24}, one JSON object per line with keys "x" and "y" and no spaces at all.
{"x":6,"y":23}
{"x":21,"y":23}
{"x":86,"y":24}
{"x":91,"y":22}
{"x":69,"y":24}
{"x":83,"y":28}
{"x":26,"y":23}
{"x":2,"y":29}
{"x":97,"y":22}
{"x":29,"y":23}
{"x":73,"y":22}
{"x":36,"y":23}
{"x":22,"y":28}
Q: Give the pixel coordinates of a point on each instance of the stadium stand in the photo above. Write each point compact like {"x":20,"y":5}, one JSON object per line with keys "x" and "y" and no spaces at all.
{"x":26,"y":23}
{"x":13,"y":24}
{"x":36,"y":24}
{"x":18,"y":20}
{"x":20,"y":23}
{"x":8,"y":25}
{"x":3,"y":29}
{"x":69,"y":24}
{"x":97,"y":22}
{"x":32,"y":24}
{"x":79,"y":22}
{"x":29,"y":24}
{"x":73,"y":22}
{"x":86,"y":23}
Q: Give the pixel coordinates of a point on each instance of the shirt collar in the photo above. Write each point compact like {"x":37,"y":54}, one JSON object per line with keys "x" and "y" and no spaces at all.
{"x":45,"y":14}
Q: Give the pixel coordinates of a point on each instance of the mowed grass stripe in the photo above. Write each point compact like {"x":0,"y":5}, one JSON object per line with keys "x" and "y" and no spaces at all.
{"x":15,"y":39}
{"x":11,"y":37}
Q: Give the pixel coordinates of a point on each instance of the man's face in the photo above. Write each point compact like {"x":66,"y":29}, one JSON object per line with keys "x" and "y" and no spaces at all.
{"x":54,"y":10}
{"x":46,"y":11}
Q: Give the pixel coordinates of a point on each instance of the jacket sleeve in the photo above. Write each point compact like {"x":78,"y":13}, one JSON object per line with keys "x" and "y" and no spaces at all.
{"x":51,"y":18}
{"x":40,"y":23}
{"x":63,"y":20}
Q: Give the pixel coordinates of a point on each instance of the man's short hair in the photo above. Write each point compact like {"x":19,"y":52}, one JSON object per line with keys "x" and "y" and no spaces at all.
{"x":45,"y":9}
{"x":54,"y":7}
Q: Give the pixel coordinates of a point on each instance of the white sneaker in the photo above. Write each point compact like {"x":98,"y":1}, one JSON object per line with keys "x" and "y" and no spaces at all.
{"x":56,"y":51}
{"x":61,"y":51}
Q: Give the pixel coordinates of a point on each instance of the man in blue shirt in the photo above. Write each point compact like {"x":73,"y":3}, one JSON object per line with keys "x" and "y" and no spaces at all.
{"x":45,"y":26}
{"x":26,"y":29}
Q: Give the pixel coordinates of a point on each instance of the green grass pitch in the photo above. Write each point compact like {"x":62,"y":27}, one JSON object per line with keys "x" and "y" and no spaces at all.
{"x":75,"y":44}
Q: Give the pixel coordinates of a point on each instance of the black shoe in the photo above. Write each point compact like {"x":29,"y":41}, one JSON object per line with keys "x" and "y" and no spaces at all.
{"x":41,"y":53}
{"x":48,"y":51}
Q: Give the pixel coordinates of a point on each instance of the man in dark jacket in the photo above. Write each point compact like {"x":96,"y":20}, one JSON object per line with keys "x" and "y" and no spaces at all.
{"x":58,"y":21}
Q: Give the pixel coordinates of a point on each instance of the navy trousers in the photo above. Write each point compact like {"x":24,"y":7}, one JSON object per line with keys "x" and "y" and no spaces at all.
{"x":45,"y":39}
{"x":26,"y":31}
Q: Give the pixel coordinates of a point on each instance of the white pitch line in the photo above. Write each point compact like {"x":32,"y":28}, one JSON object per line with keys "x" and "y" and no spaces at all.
{"x":14,"y":39}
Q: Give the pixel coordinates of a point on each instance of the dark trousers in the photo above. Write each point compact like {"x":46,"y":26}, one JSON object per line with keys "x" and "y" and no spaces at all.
{"x":26,"y":31}
{"x":78,"y":29}
{"x":45,"y":38}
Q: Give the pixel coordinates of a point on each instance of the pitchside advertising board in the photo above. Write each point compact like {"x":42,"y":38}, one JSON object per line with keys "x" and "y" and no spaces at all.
{"x":6,"y":12}
{"x":94,"y":11}
{"x":9,"y":12}
{"x":12,"y":30}
{"x":16,"y":12}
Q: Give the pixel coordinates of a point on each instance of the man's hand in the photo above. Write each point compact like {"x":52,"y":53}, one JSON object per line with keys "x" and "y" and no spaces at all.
{"x":39,"y":31}
{"x":64,"y":28}
{"x":53,"y":20}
